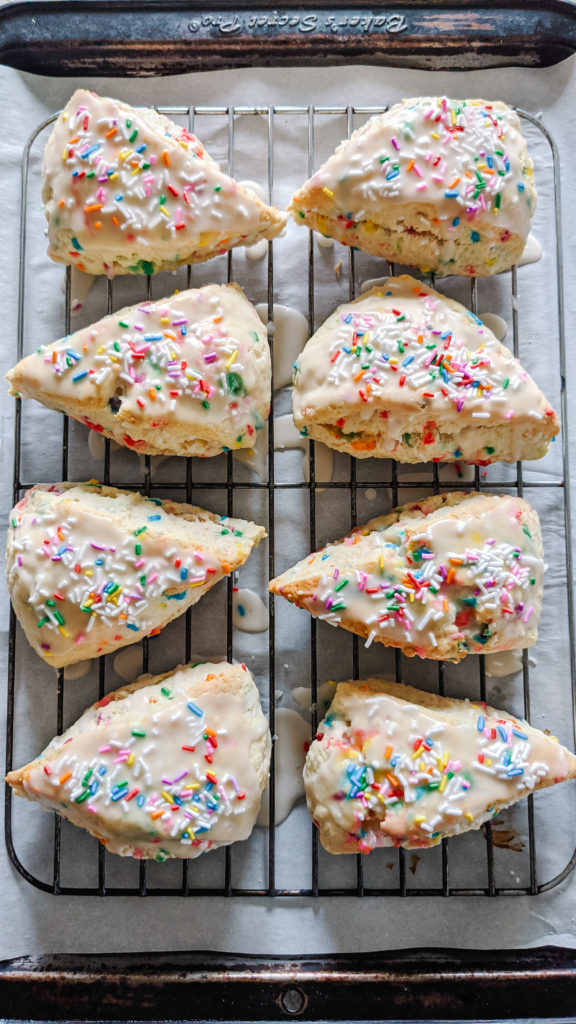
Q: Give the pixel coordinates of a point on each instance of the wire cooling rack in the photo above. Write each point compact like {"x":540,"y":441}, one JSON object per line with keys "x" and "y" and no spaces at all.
{"x":535,"y":850}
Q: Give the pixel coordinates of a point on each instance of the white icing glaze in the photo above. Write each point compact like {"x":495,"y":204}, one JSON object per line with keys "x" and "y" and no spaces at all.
{"x":128,"y":190}
{"x":532,"y":252}
{"x":128,"y":663}
{"x":389,"y":772}
{"x":324,"y":242}
{"x":469,"y":584}
{"x":292,"y":733}
{"x":83,"y":584}
{"x":291,"y":332}
{"x":402,"y":371}
{"x":77,"y":671}
{"x":256,"y":458}
{"x":505,"y":663}
{"x":257,"y":251}
{"x":193,"y":369}
{"x":165,"y":776}
{"x":80,"y":286}
{"x":370,"y":494}
{"x":287,"y":437}
{"x":97,"y":444}
{"x":255,"y":187}
{"x":249,"y":613}
{"x":373,"y":282}
{"x":496,"y":324}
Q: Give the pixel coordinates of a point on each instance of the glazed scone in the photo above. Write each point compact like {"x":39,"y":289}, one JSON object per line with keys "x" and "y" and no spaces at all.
{"x":394,"y":766}
{"x":93,"y":568}
{"x":447,"y":576}
{"x":187,"y":375}
{"x":128,"y":191}
{"x":406,"y":373}
{"x":168,"y":766}
{"x":444,"y":185}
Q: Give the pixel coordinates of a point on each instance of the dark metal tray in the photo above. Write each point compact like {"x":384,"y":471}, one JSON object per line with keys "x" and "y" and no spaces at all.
{"x":162,"y":37}
{"x":419,"y":984}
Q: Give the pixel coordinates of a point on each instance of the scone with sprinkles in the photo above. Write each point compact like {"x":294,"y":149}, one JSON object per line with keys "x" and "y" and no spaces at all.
{"x":444,"y":185}
{"x":93,"y":568}
{"x":187,"y":375}
{"x":128,"y":191}
{"x":393,"y":766}
{"x":447,"y":576}
{"x":168,"y":766}
{"x":406,"y":373}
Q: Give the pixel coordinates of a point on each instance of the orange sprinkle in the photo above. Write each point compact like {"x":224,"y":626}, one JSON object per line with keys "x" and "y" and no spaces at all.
{"x":451,"y":575}
{"x":166,"y":158}
{"x":116,"y":221}
{"x":54,"y":356}
{"x":359,"y":375}
{"x":111,"y":133}
{"x":62,"y":203}
{"x":93,"y":206}
{"x":455,"y":182}
{"x":97,"y":224}
{"x":74,"y":140}
{"x":156,"y":814}
{"x":420,"y":339}
{"x":64,"y":778}
{"x":410,"y":165}
{"x":392,"y":779}
{"x":445,"y":605}
{"x":217,"y":319}
{"x":388,"y":752}
{"x":152,"y":394}
{"x":456,"y":561}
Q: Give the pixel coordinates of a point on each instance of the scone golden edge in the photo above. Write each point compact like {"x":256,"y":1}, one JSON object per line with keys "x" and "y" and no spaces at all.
{"x":172,"y":765}
{"x":436,"y":183}
{"x":126,"y":191}
{"x":440,"y":578}
{"x":92,"y":568}
{"x":185,"y":375}
{"x":404,"y":372}
{"x":394,"y":766}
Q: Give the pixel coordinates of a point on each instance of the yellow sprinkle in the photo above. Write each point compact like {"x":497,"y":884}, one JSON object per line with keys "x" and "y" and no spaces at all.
{"x":101,"y":350}
{"x":443,"y":782}
{"x":469,"y":816}
{"x":164,"y":211}
{"x":422,"y":766}
{"x":328,"y":192}
{"x":112,"y":177}
{"x":135,"y":171}
{"x":411,"y":597}
{"x":130,"y":760}
{"x":197,"y":583}
{"x":63,"y":631}
{"x":166,"y":796}
{"x":231,"y":359}
{"x":434,"y":135}
{"x":417,"y":752}
{"x":419,"y":820}
{"x":381,"y":561}
{"x":488,"y":760}
{"x":164,"y":319}
{"x":64,"y":155}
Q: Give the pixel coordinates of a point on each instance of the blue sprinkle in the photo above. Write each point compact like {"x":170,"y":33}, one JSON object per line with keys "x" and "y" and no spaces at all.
{"x":141,"y":148}
{"x":480,"y":724}
{"x":455,"y":222}
{"x":451,"y":194}
{"x":154,"y":519}
{"x":153,"y":337}
{"x":475,"y":318}
{"x":102,"y":771}
{"x":199,"y":831}
{"x":408,"y":360}
{"x":73,"y":355}
{"x":346,"y":349}
{"x":520,"y":735}
{"x":184,"y":331}
{"x":99,"y":561}
{"x":118,"y":198}
{"x":503,"y":733}
{"x":79,"y":376}
{"x":76,"y":244}
{"x":391,"y":175}
{"x":521,"y":186}
{"x":195,"y":709}
{"x":62,"y":549}
{"x":241,"y":610}
{"x":474,"y":236}
{"x":183,"y":574}
{"x":514,"y":771}
{"x":133,"y":627}
{"x":92,"y":149}
{"x":141,"y":800}
{"x":176,"y":597}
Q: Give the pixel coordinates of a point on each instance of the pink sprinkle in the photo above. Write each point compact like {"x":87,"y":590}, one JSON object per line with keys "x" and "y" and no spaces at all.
{"x":509,"y":414}
{"x":528,"y":614}
{"x":421,"y":186}
{"x":395,"y":144}
{"x":104,"y":750}
{"x":139,"y":563}
{"x":336,"y":573}
{"x":211,"y":358}
{"x":152,"y":578}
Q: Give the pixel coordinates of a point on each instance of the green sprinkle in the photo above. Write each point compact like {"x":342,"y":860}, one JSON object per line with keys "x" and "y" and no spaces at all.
{"x":340,"y":586}
{"x":59,"y":618}
{"x":138,"y":732}
{"x":235,"y":383}
{"x":137,"y":549}
{"x":489,"y":449}
{"x":51,"y":602}
{"x":122,"y":323}
{"x":83,"y":796}
{"x":86,"y":778}
{"x":224,"y":532}
{"x":505,"y":383}
{"x":206,"y":403}
{"x":524,"y":530}
{"x":162,"y":200}
{"x":217,"y":188}
{"x":167,"y":693}
{"x":140,"y":530}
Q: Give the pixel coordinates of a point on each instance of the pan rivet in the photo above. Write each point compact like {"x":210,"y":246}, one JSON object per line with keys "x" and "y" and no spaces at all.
{"x":292,"y":1001}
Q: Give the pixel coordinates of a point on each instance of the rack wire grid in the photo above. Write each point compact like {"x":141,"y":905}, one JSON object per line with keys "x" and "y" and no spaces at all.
{"x":286,"y":860}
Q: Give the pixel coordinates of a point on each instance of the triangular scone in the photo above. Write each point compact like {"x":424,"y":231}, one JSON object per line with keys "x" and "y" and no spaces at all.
{"x":406,"y":373}
{"x":92,"y":568}
{"x":393,"y":766}
{"x":443,"y":577}
{"x":188,"y":375}
{"x":440,"y":184}
{"x":128,"y":191}
{"x":168,"y":766}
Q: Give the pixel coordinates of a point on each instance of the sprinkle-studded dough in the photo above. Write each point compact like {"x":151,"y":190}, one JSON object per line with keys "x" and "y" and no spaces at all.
{"x":440,"y":184}
{"x":447,"y":576}
{"x":406,"y":373}
{"x":92,"y":568}
{"x":128,"y":191}
{"x":393,"y":766}
{"x":186,"y":375}
{"x":168,"y":766}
